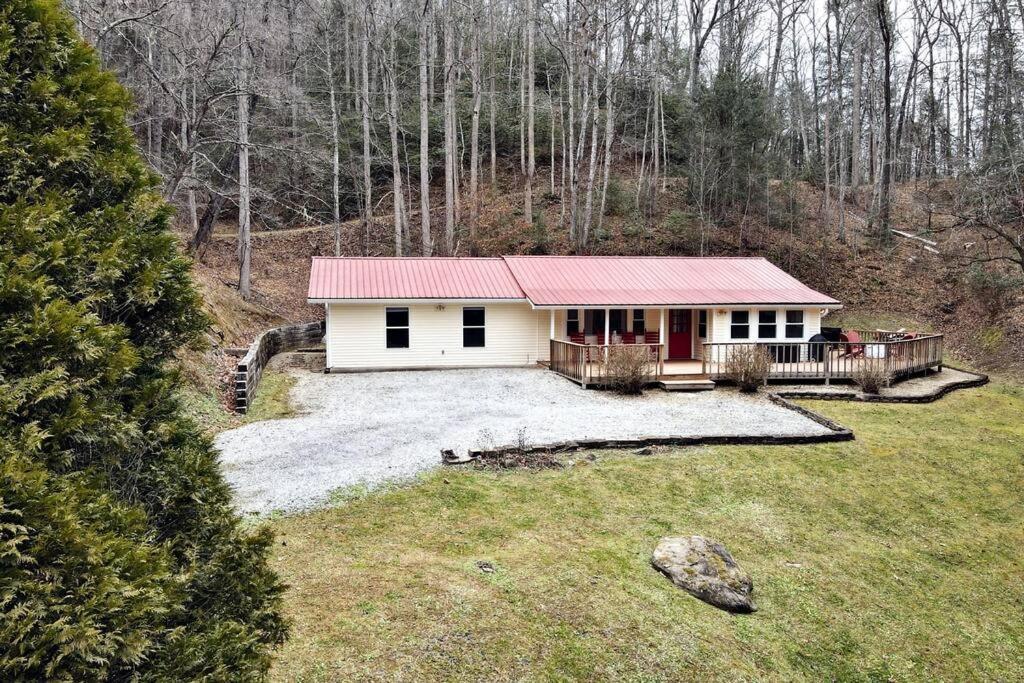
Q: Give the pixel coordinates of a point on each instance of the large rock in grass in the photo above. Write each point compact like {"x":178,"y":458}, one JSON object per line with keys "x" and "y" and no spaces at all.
{"x":705,"y":569}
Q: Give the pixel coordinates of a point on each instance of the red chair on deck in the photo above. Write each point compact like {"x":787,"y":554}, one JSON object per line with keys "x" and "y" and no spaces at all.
{"x":628,"y":338}
{"x":854,"y":346}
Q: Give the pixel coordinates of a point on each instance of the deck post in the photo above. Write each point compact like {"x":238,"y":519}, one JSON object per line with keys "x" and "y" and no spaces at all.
{"x":607,"y":330}
{"x":661,"y":342}
{"x":827,"y":364}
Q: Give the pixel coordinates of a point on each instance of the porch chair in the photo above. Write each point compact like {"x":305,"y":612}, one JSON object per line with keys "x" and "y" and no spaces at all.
{"x":580,"y":338}
{"x":628,"y":338}
{"x":854,"y":348}
{"x":652,"y":337}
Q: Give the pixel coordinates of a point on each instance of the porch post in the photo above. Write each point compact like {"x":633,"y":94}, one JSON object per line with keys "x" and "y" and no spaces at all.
{"x":607,"y":330}
{"x":661,"y":341}
{"x":552,"y":323}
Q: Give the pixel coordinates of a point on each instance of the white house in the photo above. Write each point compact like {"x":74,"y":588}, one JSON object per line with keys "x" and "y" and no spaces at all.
{"x":391,"y":313}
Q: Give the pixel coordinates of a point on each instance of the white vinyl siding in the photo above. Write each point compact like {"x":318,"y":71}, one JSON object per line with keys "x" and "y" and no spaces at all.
{"x":517,"y":335}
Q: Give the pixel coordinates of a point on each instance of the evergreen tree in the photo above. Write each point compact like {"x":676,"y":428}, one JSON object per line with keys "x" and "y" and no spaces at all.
{"x":119,"y":553}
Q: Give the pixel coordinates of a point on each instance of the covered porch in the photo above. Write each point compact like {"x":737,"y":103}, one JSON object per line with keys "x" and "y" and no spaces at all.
{"x":580,"y":339}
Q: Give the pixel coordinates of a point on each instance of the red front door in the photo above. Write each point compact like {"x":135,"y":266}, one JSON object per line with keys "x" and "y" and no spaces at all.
{"x":680,"y":342}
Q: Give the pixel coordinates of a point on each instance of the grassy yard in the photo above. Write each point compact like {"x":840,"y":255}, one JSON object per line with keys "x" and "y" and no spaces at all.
{"x":202,"y":404}
{"x":897,"y":556}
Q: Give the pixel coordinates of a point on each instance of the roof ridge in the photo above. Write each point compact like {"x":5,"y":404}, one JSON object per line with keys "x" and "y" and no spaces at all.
{"x":633,"y":256}
{"x":410,"y":258}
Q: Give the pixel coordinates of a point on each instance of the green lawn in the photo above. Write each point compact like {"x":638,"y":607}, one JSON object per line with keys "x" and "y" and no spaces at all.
{"x":897,"y":556}
{"x":202,"y":404}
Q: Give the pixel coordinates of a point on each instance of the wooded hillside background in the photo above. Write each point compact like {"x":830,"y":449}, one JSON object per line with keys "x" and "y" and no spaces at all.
{"x":408,"y":116}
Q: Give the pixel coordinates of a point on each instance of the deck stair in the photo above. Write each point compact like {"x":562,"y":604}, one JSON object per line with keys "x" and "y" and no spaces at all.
{"x":685,"y":383}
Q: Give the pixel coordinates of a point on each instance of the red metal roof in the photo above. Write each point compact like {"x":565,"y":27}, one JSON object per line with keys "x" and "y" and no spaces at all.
{"x":412,"y":278}
{"x":657,"y":281}
{"x":565,"y":280}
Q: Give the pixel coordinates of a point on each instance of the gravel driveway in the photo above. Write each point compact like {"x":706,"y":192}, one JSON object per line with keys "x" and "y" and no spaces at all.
{"x":367,"y":428}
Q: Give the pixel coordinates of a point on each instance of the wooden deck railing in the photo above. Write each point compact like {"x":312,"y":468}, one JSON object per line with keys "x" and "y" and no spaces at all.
{"x":585,"y":363}
{"x":834,"y":360}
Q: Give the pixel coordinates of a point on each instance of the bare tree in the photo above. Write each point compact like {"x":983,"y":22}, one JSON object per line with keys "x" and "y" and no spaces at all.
{"x":426,"y":29}
{"x":244,"y":218}
{"x":530,"y":76}
{"x":449,"y":127}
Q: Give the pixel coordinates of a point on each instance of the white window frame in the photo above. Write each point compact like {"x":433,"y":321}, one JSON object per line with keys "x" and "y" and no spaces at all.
{"x":732,"y":324}
{"x":802,"y":324}
{"x":482,"y":328}
{"x":407,"y":327}
{"x":634,"y":318}
{"x":774,"y":323}
{"x":573,"y":315}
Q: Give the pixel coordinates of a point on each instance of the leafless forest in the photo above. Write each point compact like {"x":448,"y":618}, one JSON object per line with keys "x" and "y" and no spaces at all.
{"x":280,"y":113}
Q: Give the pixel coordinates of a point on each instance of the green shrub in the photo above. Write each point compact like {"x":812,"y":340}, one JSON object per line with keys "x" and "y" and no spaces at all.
{"x":121,"y":556}
{"x":681,"y":233}
{"x":618,"y":201}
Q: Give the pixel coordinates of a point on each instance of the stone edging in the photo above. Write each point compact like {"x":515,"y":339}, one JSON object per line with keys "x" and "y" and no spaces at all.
{"x":978,"y":381}
{"x":837,"y":432}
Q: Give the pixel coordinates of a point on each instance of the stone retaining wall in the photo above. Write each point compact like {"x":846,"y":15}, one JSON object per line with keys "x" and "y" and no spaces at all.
{"x":250,"y":368}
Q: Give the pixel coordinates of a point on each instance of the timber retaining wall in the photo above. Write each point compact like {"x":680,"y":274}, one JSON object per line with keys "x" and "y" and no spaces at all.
{"x":266,"y":345}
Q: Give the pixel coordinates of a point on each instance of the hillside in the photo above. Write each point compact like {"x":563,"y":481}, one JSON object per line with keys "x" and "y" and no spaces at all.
{"x":904,"y":284}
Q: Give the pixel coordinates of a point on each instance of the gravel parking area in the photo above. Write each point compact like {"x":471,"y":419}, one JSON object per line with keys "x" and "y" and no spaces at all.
{"x":368,"y":428}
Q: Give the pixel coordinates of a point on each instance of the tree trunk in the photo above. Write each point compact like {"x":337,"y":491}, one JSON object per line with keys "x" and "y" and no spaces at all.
{"x":531,"y":162}
{"x":244,"y":220}
{"x":474,"y":135}
{"x":449,"y":128}
{"x":885,"y":29}
{"x":364,"y":107}
{"x":398,"y":194}
{"x":426,"y":27}
{"x":856,"y":173}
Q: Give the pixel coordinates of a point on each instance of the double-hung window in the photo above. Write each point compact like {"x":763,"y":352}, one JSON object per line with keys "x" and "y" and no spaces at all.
{"x":639,"y":321}
{"x":766,"y":325}
{"x":472,"y":327}
{"x":794,"y":324}
{"x":572,"y":321}
{"x":396,"y":323}
{"x":739,"y":327}
{"x":617,"y":320}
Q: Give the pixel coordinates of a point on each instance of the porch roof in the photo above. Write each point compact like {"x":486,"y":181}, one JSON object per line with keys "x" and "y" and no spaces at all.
{"x":658,"y":281}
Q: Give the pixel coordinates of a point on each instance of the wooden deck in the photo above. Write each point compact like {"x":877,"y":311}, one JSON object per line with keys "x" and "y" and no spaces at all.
{"x":796,"y":361}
